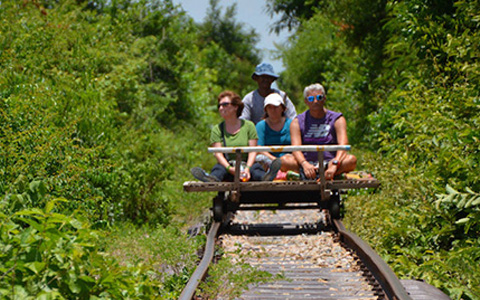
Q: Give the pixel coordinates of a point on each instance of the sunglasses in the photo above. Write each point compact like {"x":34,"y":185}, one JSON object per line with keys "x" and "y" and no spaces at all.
{"x":318,"y":97}
{"x":224,"y":104}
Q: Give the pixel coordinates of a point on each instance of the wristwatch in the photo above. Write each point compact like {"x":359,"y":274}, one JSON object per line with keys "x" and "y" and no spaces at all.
{"x":335,"y":162}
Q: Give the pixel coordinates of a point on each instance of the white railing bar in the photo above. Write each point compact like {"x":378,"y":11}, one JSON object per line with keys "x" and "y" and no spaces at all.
{"x":303,"y":148}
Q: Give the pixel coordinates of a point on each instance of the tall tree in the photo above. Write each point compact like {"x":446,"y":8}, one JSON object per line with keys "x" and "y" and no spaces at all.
{"x":355,"y":24}
{"x":227,"y":32}
{"x":292,"y":12}
{"x":229,"y":47}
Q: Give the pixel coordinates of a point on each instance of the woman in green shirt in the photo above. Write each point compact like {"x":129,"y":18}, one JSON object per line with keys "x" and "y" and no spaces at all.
{"x":234,"y":132}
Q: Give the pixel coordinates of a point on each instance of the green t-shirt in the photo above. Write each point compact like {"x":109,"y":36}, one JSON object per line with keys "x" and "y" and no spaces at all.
{"x":240,"y":139}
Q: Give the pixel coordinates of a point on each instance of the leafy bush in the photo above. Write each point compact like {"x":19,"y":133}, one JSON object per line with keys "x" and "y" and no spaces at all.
{"x":107,"y":104}
{"x":415,"y":90}
{"x":465,"y":207}
{"x":46,"y":254}
{"x":420,"y":234}
{"x":97,"y":99}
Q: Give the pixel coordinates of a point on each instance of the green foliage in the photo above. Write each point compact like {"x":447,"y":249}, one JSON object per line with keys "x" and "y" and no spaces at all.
{"x":292,"y":12}
{"x":168,"y":254}
{"x":465,"y":207}
{"x":317,"y":54}
{"x":85,"y":97}
{"x":227,"y":48}
{"x":49,"y":255}
{"x":339,"y":44}
{"x":230,"y":35}
{"x":428,"y":125}
{"x":107,"y":104}
{"x":420,"y":234}
{"x":413,"y":80}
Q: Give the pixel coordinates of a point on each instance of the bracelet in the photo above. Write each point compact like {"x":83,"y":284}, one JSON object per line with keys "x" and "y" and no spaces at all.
{"x":247,"y":167}
{"x":228,"y":167}
{"x":303,"y":162}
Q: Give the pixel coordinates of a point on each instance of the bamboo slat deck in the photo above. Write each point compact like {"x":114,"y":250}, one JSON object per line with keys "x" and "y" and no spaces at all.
{"x":253,"y":186}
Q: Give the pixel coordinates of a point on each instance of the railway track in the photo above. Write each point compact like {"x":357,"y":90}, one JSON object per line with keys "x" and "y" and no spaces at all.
{"x":286,"y":228}
{"x":317,"y":259}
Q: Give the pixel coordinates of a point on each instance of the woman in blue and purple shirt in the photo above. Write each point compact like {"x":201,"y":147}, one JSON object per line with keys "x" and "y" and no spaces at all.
{"x":320,"y":126}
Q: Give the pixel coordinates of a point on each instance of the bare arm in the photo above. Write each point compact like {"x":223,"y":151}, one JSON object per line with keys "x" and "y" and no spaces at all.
{"x":251,"y":155}
{"x":220,"y":157}
{"x":342,"y":138}
{"x":296,"y":140}
{"x":251,"y":158}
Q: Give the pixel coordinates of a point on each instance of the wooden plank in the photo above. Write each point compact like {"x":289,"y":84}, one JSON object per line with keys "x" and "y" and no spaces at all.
{"x":252,"y":186}
{"x":352,"y":184}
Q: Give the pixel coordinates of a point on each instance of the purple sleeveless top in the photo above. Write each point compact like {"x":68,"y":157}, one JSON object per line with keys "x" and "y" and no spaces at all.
{"x":318,"y":132}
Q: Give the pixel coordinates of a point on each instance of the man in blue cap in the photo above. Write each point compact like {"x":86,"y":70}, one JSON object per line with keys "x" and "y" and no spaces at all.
{"x":253,"y":102}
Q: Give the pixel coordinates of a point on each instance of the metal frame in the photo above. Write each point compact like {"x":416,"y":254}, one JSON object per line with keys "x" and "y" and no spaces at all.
{"x":305,"y":148}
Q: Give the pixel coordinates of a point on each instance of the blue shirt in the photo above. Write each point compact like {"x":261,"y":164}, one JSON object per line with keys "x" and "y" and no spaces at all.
{"x":267,"y":136}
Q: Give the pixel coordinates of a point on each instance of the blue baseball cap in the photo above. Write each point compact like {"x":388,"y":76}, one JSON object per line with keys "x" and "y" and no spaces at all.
{"x":264,"y":69}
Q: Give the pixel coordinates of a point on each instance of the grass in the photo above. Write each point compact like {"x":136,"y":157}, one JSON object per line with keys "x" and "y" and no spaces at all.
{"x":168,"y":254}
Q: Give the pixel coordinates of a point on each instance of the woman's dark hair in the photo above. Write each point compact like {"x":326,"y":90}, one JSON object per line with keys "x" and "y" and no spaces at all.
{"x":236,"y":100}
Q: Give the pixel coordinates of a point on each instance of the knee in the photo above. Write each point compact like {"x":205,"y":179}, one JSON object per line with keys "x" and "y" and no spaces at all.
{"x":288,"y":162}
{"x":287,"y":159}
{"x":353,"y":159}
{"x":350,"y":163}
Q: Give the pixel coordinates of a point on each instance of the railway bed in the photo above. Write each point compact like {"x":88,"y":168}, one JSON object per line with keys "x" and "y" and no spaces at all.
{"x":316,"y":256}
{"x":314,"y":264}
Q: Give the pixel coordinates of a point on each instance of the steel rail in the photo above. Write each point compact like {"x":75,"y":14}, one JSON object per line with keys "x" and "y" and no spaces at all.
{"x":389,"y":282}
{"x":304,"y":148}
{"x":201,"y":270}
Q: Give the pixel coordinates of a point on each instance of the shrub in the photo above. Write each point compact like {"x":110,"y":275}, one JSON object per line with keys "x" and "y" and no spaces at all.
{"x":46,"y":254}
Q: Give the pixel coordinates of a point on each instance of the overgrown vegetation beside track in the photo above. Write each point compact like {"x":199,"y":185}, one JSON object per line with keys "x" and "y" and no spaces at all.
{"x":418,"y":234}
{"x":105,"y":106}
{"x":406,"y":75}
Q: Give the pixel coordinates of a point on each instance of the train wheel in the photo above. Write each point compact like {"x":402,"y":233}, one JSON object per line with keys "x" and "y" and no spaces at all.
{"x":218,"y":208}
{"x":334,"y":204}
